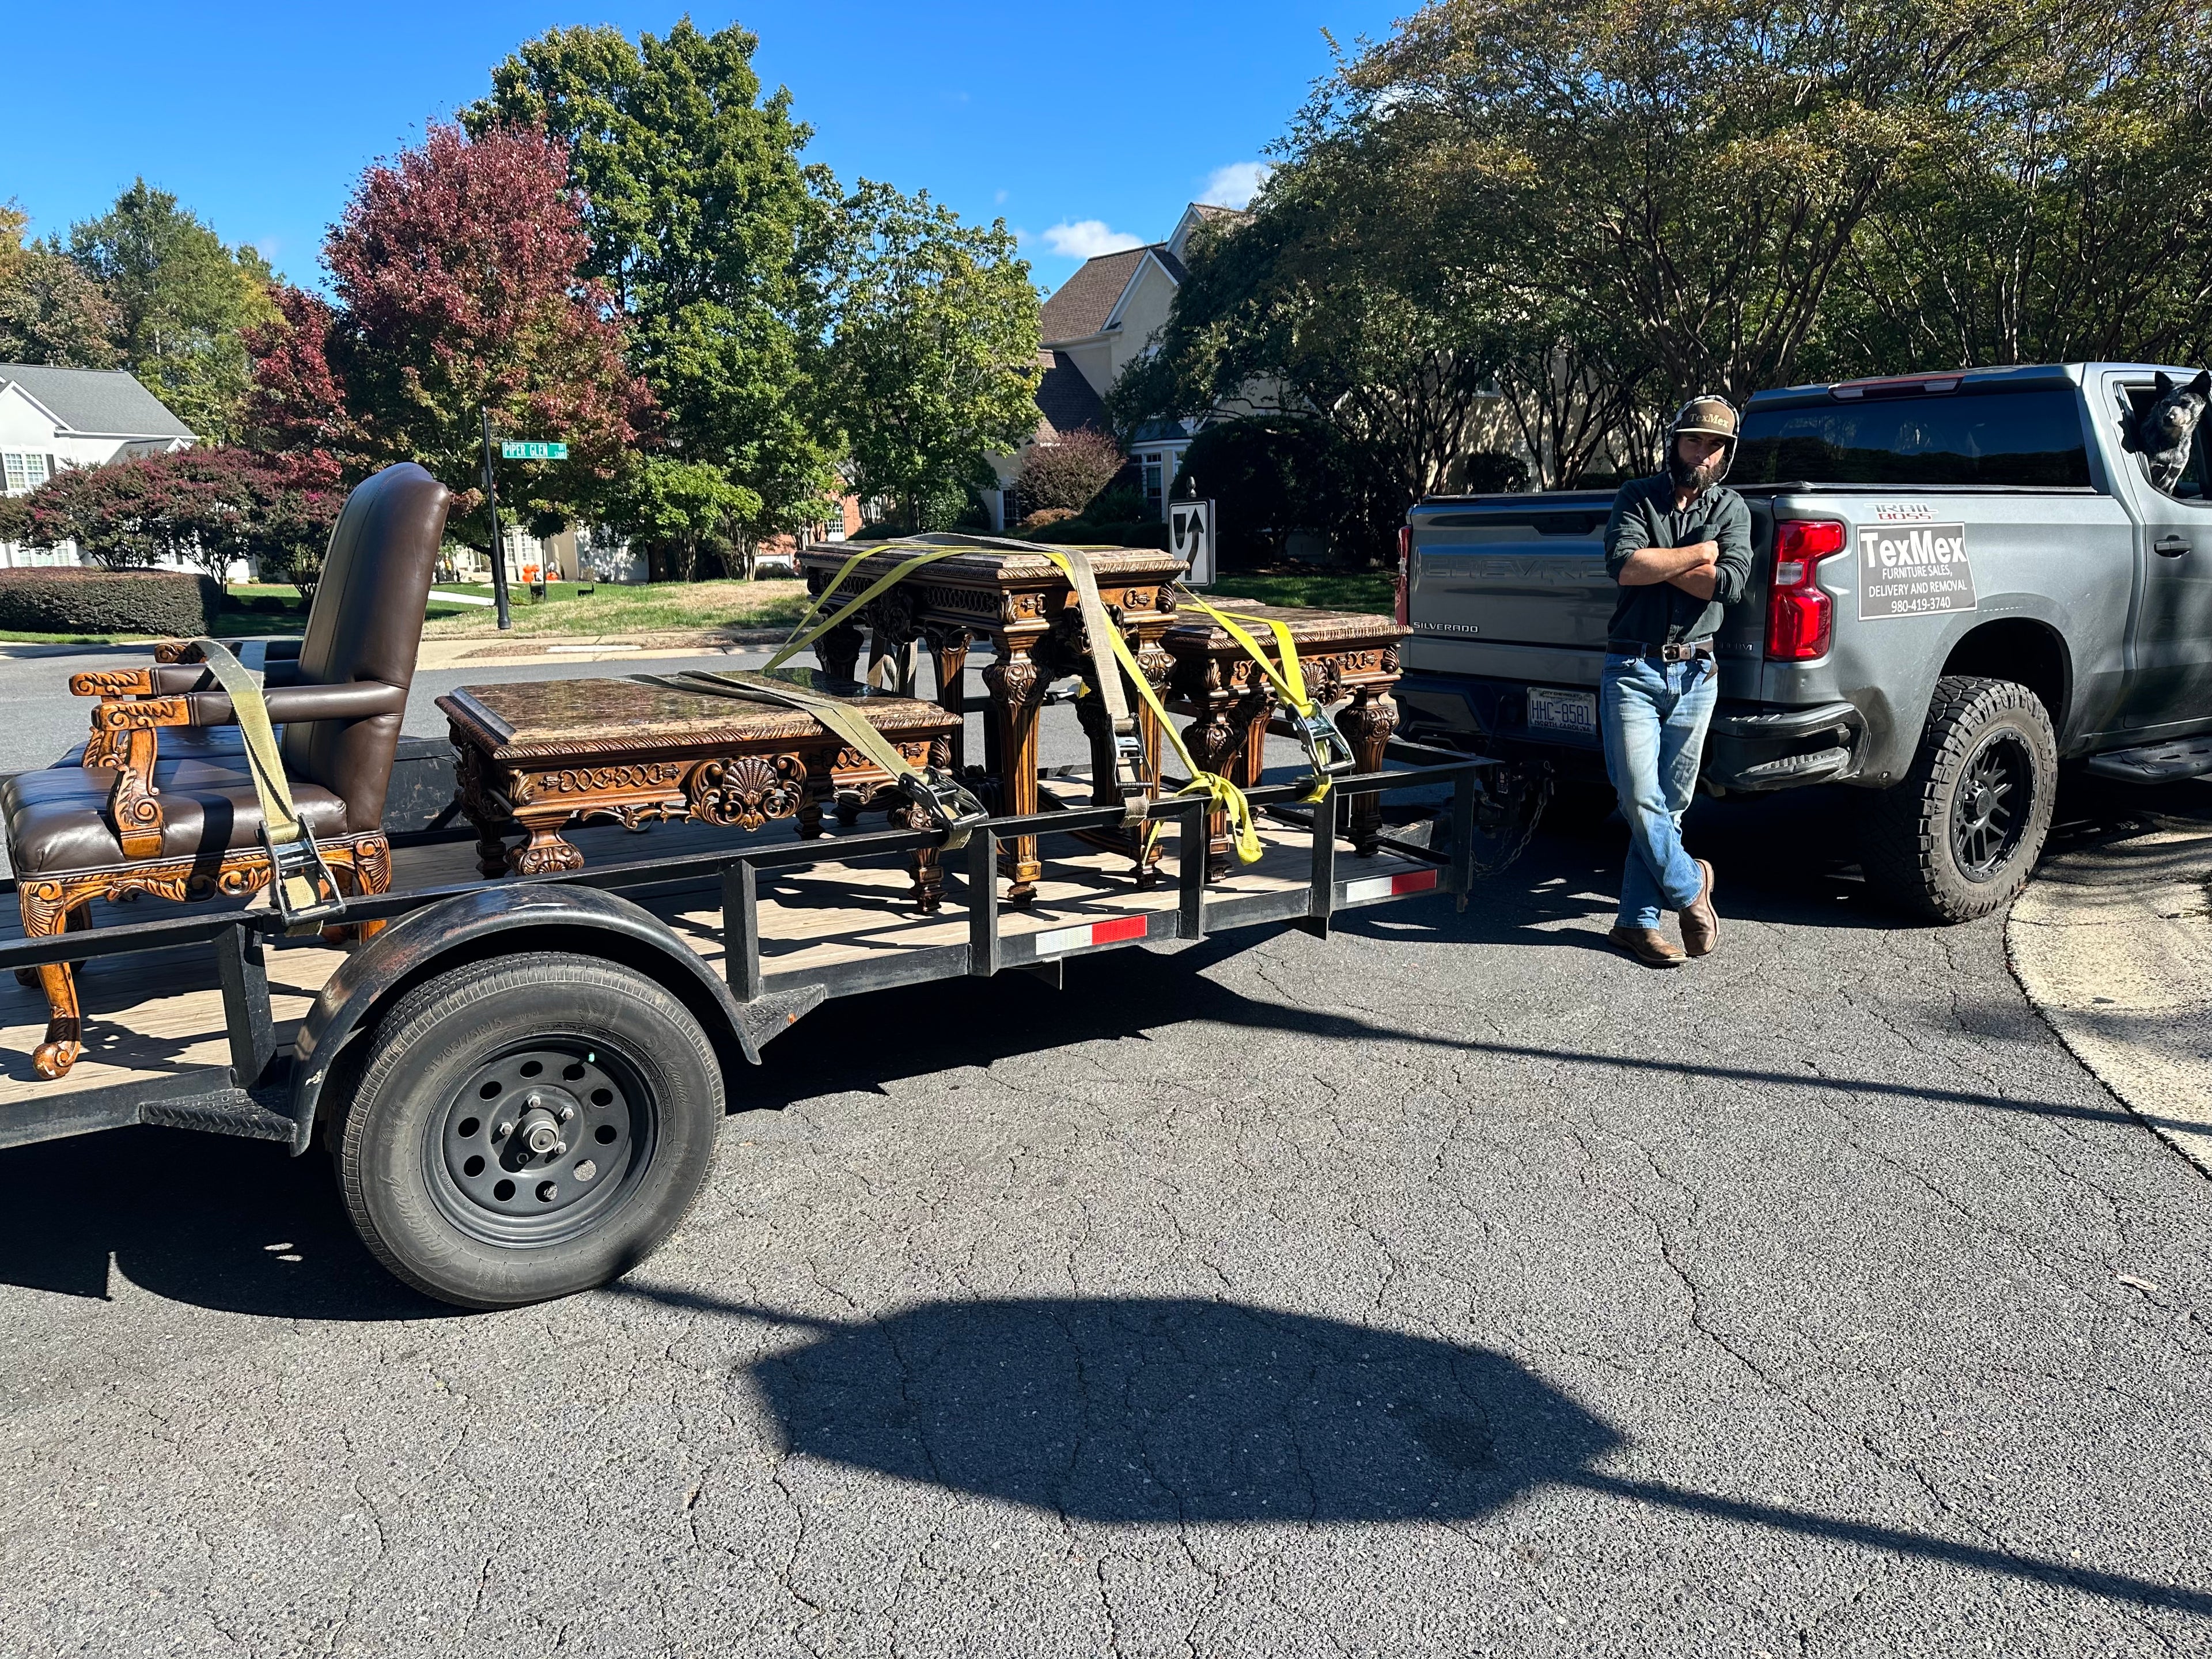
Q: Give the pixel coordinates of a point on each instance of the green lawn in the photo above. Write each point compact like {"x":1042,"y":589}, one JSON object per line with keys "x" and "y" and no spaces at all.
{"x":643,"y":608}
{"x":1372,"y":591}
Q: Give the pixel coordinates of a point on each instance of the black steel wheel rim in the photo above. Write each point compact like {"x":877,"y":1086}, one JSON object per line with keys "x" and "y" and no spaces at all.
{"x":543,"y":1140}
{"x":1991,"y":806}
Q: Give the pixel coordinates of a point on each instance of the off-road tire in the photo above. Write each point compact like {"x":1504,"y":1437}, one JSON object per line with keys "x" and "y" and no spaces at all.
{"x":394,"y":1141}
{"x":1909,"y":837}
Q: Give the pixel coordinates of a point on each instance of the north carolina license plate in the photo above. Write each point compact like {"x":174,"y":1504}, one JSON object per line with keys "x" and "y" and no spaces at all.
{"x":1571,"y":712}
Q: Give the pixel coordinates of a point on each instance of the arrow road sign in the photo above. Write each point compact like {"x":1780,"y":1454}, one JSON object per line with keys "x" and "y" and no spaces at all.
{"x":1190,"y":538}
{"x":515,"y":449}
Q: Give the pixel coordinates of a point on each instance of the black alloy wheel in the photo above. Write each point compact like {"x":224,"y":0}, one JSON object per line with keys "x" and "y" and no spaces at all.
{"x":1995,"y":799}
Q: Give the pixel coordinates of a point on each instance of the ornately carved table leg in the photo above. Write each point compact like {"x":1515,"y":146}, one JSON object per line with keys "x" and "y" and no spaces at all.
{"x":948,"y":655}
{"x":545,"y":852}
{"x":838,"y":651}
{"x":481,"y":805}
{"x":1367,"y":722}
{"x":1221,"y":740}
{"x":1017,"y":694}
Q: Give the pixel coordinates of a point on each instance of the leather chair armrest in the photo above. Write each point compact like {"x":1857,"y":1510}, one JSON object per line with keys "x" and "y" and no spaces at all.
{"x":357,"y":700}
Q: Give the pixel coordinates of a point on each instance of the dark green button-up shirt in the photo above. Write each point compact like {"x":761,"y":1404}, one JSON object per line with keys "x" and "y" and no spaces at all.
{"x":1644,"y":515}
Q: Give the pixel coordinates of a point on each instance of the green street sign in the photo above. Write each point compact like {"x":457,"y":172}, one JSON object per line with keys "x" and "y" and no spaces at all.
{"x":516,"y":450}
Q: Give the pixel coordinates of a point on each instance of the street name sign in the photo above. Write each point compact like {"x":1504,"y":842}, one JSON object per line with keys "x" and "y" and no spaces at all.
{"x":515,"y":449}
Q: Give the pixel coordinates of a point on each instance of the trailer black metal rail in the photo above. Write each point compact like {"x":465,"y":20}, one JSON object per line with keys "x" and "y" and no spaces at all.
{"x":255,"y":1095}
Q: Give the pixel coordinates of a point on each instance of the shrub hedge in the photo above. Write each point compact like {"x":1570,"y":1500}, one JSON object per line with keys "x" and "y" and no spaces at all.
{"x":1082,"y":532}
{"x":63,"y":599}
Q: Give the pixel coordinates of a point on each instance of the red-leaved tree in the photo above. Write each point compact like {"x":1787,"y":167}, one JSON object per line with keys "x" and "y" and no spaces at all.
{"x":454,"y":271}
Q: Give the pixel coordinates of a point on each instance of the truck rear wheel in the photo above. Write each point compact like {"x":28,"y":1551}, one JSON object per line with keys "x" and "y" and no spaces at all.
{"x":527,"y":1128}
{"x":1959,"y":836}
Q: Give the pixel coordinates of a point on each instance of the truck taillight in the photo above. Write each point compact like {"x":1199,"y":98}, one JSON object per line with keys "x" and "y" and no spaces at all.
{"x":1801,"y":619}
{"x":1405,"y":563}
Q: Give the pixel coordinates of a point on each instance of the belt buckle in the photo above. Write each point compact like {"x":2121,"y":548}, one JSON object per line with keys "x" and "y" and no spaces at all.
{"x":300,"y":858}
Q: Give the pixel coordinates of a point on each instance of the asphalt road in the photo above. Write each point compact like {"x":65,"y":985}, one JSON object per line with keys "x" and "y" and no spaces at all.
{"x":1452,"y":1285}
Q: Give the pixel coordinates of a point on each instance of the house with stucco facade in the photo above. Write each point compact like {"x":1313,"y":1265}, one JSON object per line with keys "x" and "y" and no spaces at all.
{"x":1103,"y":318}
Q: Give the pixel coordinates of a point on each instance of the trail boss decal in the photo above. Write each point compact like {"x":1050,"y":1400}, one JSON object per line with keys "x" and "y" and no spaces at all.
{"x":1909,"y":566}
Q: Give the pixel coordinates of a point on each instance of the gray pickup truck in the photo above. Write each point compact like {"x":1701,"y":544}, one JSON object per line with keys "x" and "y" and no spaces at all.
{"x":1959,"y":581}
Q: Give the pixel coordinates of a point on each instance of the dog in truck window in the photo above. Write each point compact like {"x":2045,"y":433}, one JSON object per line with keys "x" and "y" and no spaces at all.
{"x":2164,"y":432}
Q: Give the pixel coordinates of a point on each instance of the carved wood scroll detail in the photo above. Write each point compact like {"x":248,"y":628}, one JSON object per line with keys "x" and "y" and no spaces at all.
{"x":748,"y":791}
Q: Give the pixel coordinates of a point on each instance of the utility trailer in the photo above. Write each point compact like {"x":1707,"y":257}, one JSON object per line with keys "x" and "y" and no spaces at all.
{"x":519,"y":1081}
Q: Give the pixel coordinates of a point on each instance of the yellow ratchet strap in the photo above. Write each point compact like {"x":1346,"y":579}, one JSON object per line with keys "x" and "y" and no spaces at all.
{"x":945,"y":801}
{"x":301,"y":886}
{"x":1228,"y":799}
{"x":1290,"y":683}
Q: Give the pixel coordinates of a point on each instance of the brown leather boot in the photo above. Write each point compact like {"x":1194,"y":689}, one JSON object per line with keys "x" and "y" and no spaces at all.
{"x":1701,"y":923}
{"x":1647,"y":945}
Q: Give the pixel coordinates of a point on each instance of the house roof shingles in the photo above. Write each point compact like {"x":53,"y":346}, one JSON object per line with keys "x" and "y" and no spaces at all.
{"x":1085,"y":300}
{"x":107,"y":401}
{"x":1064,"y":398}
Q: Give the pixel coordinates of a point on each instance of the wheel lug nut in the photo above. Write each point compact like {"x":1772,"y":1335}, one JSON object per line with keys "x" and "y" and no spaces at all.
{"x":501,"y":1131}
{"x":560,"y":1147}
{"x":566,"y":1112}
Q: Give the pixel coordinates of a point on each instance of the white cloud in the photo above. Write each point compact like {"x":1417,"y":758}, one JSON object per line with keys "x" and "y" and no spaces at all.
{"x":1234,"y":186}
{"x":1086,"y":239}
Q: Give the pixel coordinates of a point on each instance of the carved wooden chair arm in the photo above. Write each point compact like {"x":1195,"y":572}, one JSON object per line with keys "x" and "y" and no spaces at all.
{"x":143,"y":715}
{"x":112,"y":683}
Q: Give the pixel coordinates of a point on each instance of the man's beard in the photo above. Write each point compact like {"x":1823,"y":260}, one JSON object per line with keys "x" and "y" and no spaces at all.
{"x":1700,"y":478}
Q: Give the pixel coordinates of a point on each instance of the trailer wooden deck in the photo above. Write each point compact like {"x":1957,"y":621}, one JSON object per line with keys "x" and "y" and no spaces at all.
{"x":152,"y":1017}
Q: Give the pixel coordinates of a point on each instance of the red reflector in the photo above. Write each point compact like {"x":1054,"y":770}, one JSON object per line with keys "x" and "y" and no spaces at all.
{"x":1105,"y":932}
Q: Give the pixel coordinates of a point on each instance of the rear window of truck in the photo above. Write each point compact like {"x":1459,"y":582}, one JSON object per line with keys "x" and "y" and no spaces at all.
{"x":1995,"y":438}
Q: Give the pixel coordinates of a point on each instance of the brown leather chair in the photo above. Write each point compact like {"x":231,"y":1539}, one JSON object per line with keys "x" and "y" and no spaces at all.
{"x":186,"y":825}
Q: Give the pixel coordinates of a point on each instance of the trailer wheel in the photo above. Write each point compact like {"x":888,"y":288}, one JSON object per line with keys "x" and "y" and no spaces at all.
{"x":1959,"y":836}
{"x":527,"y":1128}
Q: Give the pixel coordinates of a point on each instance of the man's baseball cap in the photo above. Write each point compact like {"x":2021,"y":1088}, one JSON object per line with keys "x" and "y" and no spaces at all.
{"x":1711,"y":415}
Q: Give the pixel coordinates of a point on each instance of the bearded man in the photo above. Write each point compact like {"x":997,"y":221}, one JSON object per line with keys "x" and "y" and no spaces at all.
{"x":1678,"y":545}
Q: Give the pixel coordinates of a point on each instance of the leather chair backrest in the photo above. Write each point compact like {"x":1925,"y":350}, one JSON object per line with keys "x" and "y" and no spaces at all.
{"x":366,"y":625}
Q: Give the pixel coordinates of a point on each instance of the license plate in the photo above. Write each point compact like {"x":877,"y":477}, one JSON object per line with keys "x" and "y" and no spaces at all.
{"x":1571,"y":712}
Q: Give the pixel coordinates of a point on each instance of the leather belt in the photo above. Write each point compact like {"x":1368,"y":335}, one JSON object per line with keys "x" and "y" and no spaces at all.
{"x":1684,"y":651}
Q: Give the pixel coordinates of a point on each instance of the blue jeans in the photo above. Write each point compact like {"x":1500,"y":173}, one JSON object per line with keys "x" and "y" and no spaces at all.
{"x":1654,"y":716}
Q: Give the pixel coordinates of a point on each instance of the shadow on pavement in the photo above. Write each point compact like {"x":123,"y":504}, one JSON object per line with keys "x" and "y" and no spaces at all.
{"x":1139,"y":1411}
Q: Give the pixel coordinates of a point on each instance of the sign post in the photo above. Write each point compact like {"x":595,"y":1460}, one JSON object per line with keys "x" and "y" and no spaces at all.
{"x":1190,"y":538}
{"x":517,"y":449}
{"x":498,"y":545}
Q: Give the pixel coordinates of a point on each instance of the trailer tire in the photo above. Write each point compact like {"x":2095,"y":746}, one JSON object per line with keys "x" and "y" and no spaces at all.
{"x":1961,"y":834}
{"x":454,"y":1149}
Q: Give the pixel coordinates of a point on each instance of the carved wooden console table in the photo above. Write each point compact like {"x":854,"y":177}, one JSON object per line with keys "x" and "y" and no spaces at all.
{"x":1021,"y":603}
{"x":535,"y":756}
{"x":1344,"y":654}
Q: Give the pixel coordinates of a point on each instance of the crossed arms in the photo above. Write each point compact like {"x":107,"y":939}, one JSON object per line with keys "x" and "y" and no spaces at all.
{"x":1695,"y":569}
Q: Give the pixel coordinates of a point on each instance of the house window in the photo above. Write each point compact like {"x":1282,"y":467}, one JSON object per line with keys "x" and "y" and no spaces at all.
{"x":23,"y":471}
{"x":1154,"y":470}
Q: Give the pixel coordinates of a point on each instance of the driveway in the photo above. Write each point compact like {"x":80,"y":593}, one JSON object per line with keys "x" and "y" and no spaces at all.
{"x":1452,"y":1285}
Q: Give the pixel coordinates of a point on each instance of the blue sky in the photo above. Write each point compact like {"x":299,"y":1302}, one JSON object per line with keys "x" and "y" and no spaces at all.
{"x":1079,"y":122}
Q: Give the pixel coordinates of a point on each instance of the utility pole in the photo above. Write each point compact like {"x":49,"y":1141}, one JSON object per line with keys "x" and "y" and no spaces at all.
{"x":498,"y":547}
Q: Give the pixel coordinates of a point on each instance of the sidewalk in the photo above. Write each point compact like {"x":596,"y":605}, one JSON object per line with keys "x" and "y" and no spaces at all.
{"x":2113,"y":943}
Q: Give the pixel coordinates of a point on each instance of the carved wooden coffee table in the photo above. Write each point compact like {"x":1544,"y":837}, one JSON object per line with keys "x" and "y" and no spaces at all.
{"x":537,"y":756}
{"x":1021,"y":603}
{"x":1343,"y":655}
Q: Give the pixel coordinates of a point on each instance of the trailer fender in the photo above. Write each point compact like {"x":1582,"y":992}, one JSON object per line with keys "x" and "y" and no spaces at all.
{"x":496,"y":922}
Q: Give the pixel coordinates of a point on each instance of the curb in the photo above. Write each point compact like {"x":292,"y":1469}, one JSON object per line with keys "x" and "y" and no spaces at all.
{"x":2113,"y":945}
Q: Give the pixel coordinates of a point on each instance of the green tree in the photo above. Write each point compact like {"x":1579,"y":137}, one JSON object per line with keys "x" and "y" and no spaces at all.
{"x":931,"y":361}
{"x":2064,"y":215}
{"x":703,"y":227}
{"x":692,"y":511}
{"x":185,"y":302}
{"x":51,"y":311}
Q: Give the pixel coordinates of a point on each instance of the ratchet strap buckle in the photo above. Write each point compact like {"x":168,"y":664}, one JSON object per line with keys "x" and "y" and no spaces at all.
{"x":1326,"y":745}
{"x":947,"y":802}
{"x":1129,"y":773}
{"x":301,"y":884}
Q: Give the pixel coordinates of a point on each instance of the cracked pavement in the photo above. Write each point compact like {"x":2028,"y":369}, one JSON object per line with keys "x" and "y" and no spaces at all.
{"x":1450,"y":1286}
